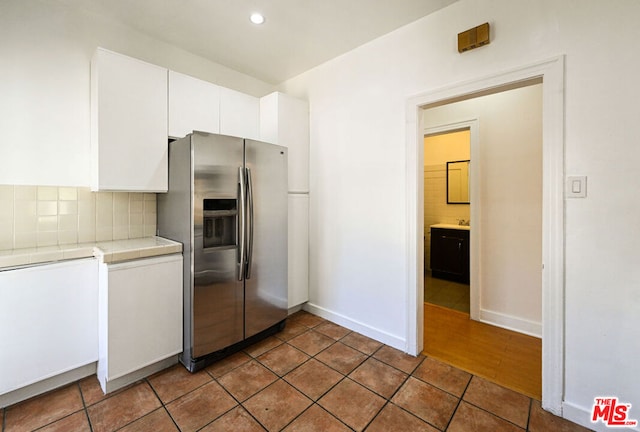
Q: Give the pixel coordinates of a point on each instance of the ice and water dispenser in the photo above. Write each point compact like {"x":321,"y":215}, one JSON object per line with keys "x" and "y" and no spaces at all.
{"x":219,"y":222}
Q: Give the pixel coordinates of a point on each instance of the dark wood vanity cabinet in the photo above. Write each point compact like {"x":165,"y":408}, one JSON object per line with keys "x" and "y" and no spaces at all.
{"x":450,"y":254}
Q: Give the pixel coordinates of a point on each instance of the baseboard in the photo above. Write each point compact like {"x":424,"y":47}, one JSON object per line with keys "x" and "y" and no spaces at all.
{"x":46,"y":385}
{"x":510,"y":322}
{"x":582,"y":416}
{"x":111,"y":385}
{"x":295,"y":309}
{"x":356,"y":326}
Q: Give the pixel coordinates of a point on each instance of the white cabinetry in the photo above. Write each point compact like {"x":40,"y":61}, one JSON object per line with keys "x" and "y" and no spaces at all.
{"x":140,"y":318}
{"x":284,"y":120}
{"x":128,"y":124}
{"x":298,"y":249}
{"x":239,"y":114}
{"x":193,"y":105}
{"x":48,"y":317}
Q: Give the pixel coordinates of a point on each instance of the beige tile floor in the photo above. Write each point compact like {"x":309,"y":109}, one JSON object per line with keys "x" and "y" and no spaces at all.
{"x":313,"y":376}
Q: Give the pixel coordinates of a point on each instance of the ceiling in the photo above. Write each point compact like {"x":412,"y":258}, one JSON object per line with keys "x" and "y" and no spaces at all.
{"x":296,"y":36}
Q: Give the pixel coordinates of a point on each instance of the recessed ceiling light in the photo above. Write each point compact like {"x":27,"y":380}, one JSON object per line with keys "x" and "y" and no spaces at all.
{"x":257,"y":18}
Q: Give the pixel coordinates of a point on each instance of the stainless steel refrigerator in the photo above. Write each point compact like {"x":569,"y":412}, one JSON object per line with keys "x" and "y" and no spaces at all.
{"x":227,"y":205}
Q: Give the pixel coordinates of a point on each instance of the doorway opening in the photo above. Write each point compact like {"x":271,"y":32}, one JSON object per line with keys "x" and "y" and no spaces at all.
{"x":447,"y":217}
{"x":551,"y":74}
{"x":509,"y":155}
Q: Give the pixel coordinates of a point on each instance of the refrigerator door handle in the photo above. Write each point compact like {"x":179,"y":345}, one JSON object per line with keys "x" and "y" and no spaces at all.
{"x":250,"y":223}
{"x":243,"y":229}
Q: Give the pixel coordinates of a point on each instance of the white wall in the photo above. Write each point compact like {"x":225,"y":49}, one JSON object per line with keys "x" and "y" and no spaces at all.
{"x":510,"y":224}
{"x":447,"y":146}
{"x":358,"y":265}
{"x":45,"y":50}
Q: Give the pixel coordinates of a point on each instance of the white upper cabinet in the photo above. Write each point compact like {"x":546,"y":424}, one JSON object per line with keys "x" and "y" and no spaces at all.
{"x":239,"y":114}
{"x":128,"y":124}
{"x":193,"y":105}
{"x":284,"y":120}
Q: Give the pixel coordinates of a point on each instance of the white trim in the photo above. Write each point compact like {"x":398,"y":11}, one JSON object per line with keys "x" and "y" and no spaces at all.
{"x":116,"y":383}
{"x":552,"y":73}
{"x":510,"y":322}
{"x":357,"y":326}
{"x":475,"y":287}
{"x":48,"y":384}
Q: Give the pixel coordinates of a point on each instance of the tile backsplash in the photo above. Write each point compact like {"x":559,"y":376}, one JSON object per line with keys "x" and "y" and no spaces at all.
{"x":436,"y":209}
{"x":37,"y":216}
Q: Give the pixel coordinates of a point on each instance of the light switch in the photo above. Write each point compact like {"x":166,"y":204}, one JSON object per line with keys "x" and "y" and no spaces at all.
{"x":576,"y":187}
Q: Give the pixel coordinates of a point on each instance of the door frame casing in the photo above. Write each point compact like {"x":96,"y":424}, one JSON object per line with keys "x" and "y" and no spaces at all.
{"x":551,"y":72}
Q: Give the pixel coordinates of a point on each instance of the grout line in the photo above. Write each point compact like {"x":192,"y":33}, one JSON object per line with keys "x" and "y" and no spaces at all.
{"x":162,"y":404}
{"x":388,"y":399}
{"x":344,"y":376}
{"x":402,"y":385}
{"x":303,"y":411}
{"x":496,"y":415}
{"x":529,"y":413}
{"x":84,"y":404}
{"x":323,"y":409}
{"x":460,"y":399}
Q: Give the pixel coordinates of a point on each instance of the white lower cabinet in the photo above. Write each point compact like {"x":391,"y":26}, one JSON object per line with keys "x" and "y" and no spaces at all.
{"x":48,"y":320}
{"x":140,"y":318}
{"x":298,"y":249}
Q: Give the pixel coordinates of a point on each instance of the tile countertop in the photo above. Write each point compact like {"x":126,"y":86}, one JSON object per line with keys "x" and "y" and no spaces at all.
{"x":106,"y":252}
{"x":452,"y":226}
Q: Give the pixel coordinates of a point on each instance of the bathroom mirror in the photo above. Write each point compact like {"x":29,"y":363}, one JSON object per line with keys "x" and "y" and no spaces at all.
{"x":458,"y":182}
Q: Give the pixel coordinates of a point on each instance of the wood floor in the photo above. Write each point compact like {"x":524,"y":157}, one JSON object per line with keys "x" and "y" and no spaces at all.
{"x":510,"y":359}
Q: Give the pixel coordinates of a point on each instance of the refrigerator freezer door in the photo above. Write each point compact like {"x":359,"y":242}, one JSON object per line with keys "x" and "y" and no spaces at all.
{"x":217,"y":291}
{"x":266,"y":283}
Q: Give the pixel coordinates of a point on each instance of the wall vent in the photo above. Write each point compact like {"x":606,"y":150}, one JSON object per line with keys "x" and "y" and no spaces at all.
{"x":473,"y":38}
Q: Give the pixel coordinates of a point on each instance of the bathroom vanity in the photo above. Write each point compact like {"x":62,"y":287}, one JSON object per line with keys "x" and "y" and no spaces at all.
{"x":450,"y":252}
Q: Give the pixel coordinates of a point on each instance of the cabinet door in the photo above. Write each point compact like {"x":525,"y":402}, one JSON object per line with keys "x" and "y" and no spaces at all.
{"x":194,"y":105}
{"x":140,"y":315}
{"x":239,"y":114}
{"x":284,"y":120}
{"x":450,"y":254}
{"x":128,"y":124}
{"x":48,"y":314}
{"x":298,"y":249}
